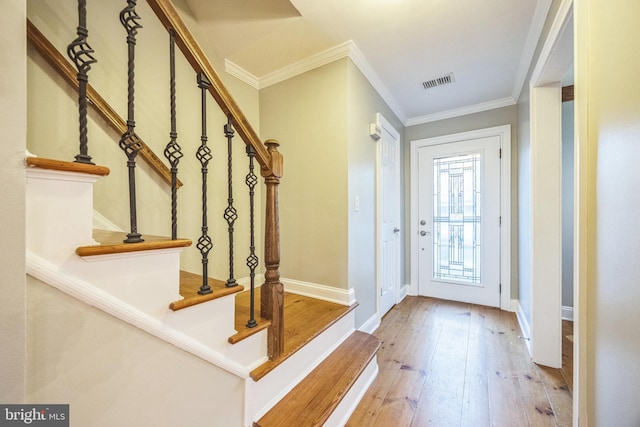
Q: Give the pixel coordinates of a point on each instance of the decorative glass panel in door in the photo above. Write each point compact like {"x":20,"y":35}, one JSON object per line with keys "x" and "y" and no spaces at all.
{"x":456,"y":218}
{"x":459,"y":221}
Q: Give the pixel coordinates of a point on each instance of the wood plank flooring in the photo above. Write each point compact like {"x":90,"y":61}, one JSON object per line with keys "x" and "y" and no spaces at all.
{"x":445,"y":363}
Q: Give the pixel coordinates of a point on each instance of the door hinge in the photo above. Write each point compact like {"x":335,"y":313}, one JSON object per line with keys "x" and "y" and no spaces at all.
{"x":500,"y":286}
{"x":500,"y":222}
{"x":500,"y":153}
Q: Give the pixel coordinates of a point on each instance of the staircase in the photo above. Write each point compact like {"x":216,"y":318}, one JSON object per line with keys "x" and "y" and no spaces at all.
{"x":318,"y":380}
{"x":300,"y":363}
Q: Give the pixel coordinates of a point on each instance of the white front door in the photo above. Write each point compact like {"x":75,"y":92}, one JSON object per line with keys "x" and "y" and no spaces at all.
{"x":459,"y":221}
{"x":388,"y":213}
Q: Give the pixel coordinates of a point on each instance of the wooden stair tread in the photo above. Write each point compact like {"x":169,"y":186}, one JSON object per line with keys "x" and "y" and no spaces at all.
{"x":190,"y":284}
{"x":314,"y":399}
{"x":111,"y":242}
{"x":243,"y":314}
{"x":304,"y":319}
{"x":61,"y":165}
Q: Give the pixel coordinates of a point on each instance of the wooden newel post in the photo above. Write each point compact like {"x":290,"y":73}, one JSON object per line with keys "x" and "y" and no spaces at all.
{"x":272,"y":292}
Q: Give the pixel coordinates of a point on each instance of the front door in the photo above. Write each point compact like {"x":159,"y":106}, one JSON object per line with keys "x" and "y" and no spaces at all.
{"x":459,"y":221}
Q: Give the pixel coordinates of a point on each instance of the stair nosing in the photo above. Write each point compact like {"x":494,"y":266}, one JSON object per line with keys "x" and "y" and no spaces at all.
{"x":257,"y":374}
{"x":363,"y":361}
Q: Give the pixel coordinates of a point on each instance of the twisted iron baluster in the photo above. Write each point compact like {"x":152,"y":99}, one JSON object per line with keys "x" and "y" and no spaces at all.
{"x":80,"y":53}
{"x":130,"y":142}
{"x":230,"y":213}
{"x":204,"y":155}
{"x":173,"y":151}
{"x":252,"y":260}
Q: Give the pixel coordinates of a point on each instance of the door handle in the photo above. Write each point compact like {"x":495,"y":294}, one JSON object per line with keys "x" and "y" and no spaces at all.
{"x":396,"y":230}
{"x":425,"y":233}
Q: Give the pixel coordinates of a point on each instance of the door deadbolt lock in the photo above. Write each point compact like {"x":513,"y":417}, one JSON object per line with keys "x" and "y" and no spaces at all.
{"x":423,"y":222}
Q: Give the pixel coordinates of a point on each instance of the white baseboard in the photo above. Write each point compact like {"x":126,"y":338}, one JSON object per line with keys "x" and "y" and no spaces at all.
{"x":524,"y":326}
{"x":371,"y":324}
{"x":101,"y":222}
{"x":567,"y":313}
{"x":404,"y":291}
{"x":322,"y":292}
{"x":246,"y":281}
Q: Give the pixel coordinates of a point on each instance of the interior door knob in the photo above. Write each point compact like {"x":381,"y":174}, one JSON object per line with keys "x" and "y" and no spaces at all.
{"x":396,"y":230}
{"x":424,"y":233}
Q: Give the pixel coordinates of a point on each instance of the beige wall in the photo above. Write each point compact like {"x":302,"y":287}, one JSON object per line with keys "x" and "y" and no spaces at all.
{"x":308,"y":115}
{"x":53,"y":127}
{"x":13,"y":87}
{"x":484,"y":119}
{"x":113,"y":374}
{"x":321,"y":119}
{"x":608,"y":116}
{"x":364,"y":103}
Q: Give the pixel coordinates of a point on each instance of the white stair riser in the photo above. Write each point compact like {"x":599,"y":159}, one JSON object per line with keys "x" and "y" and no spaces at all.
{"x":341,"y":414}
{"x":265,"y":393}
{"x":60,"y":218}
{"x":59,"y":208}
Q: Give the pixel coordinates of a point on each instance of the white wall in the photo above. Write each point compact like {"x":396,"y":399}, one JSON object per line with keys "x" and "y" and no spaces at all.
{"x":114,"y":374}
{"x":608,"y":116}
{"x":13,"y":98}
{"x":524,"y":200}
{"x":567,"y":203}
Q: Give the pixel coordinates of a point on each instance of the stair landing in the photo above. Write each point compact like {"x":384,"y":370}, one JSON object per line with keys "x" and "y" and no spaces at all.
{"x":304,"y":319}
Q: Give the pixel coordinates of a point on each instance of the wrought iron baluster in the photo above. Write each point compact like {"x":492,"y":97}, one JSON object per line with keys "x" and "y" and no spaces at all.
{"x":80,"y":53}
{"x":173,"y":151}
{"x":130,"y":143}
{"x":252,"y":260}
{"x":204,"y":156}
{"x":230,"y":213}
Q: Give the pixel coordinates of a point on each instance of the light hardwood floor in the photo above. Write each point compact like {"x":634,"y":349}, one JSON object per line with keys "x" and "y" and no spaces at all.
{"x":446,"y":364}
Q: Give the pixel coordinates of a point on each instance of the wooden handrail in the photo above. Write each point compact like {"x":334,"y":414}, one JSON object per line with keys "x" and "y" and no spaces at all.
{"x":168,"y":15}
{"x":66,"y":70}
{"x":267,"y":155}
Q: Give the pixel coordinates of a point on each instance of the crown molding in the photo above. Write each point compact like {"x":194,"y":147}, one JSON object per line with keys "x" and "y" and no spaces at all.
{"x":241,"y":74}
{"x":347,"y":49}
{"x":463,"y":111}
{"x":563,"y":18}
{"x":327,"y":56}
{"x":533,"y":37}
{"x":358,"y":58}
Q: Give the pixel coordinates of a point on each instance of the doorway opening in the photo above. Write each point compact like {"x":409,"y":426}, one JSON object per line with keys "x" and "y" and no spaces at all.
{"x":449,"y":245}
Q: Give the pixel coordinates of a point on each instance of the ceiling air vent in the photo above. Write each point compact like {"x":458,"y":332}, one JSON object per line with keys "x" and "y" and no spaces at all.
{"x":443,"y":80}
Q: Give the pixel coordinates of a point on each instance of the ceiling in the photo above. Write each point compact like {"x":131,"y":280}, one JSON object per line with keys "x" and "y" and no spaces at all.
{"x":397,"y":44}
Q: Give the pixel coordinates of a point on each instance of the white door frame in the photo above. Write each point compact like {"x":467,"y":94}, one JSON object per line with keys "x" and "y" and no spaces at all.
{"x":546,"y":189}
{"x":399,"y":291}
{"x":504,"y":132}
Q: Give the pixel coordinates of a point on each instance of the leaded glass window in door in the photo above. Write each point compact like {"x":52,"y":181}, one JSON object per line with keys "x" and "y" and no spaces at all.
{"x":457,"y":219}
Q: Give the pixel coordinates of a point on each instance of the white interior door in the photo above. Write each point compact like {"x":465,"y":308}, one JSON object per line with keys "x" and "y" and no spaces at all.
{"x":388,"y":212}
{"x":459,"y":221}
